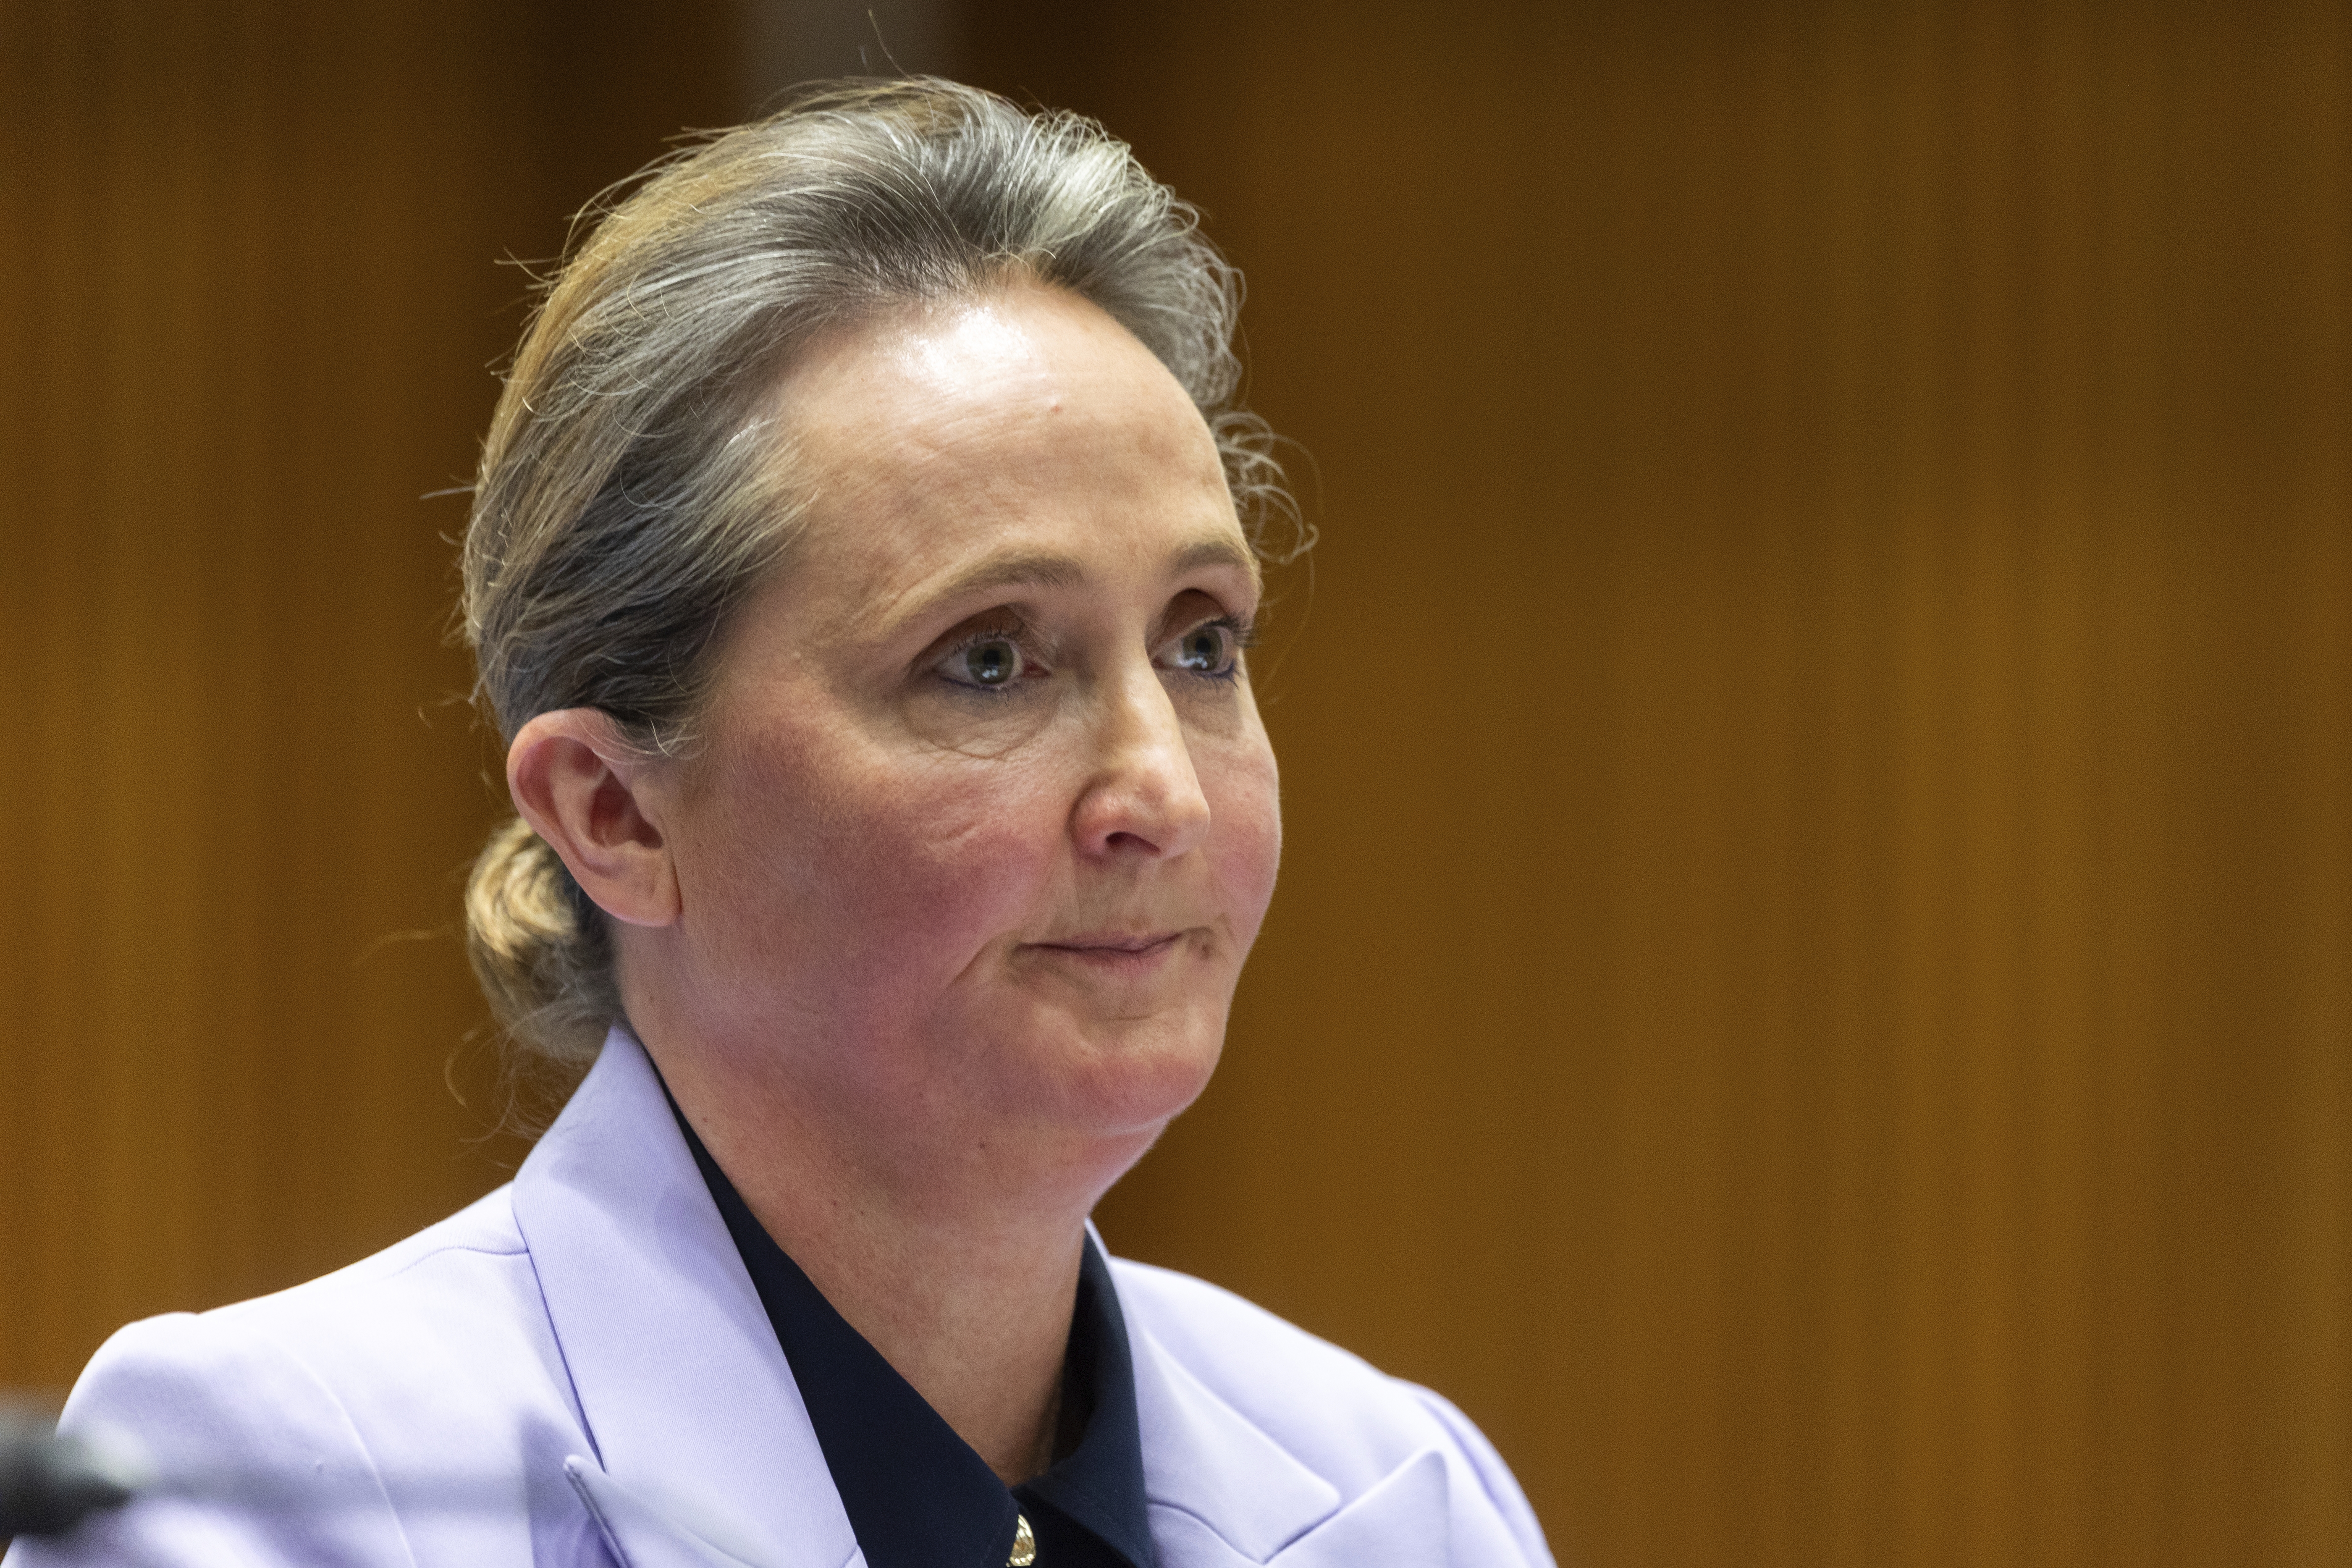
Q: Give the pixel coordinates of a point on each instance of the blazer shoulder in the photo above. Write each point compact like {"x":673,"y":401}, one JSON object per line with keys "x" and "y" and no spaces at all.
{"x":215,"y":1410}
{"x":431,"y":1359}
{"x":454,"y":1282}
{"x":456,"y":1306}
{"x":450,"y":1290}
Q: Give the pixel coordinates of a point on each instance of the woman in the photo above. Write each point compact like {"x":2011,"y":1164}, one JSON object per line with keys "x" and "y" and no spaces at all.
{"x":864,"y":556}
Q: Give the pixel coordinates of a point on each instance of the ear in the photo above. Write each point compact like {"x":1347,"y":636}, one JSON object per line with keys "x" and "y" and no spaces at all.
{"x":585,"y":790}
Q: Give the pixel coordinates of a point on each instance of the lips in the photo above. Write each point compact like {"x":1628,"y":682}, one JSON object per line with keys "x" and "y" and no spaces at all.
{"x":1114,"y":946}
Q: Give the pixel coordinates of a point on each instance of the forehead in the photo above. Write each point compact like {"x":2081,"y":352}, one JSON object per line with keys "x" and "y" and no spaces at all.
{"x":1022,"y":425}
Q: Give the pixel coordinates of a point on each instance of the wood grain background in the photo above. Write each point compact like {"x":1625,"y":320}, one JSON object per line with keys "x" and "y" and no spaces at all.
{"x":1813,"y":984}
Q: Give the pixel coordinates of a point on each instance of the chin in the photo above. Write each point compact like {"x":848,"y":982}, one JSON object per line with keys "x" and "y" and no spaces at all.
{"x":1125,"y":1079}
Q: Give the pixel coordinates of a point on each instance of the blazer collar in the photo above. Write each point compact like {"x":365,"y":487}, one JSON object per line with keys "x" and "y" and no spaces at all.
{"x":684,"y":1390}
{"x":704,"y":1453}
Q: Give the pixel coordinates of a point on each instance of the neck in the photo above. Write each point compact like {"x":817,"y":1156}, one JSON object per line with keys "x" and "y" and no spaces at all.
{"x":963,"y":1273}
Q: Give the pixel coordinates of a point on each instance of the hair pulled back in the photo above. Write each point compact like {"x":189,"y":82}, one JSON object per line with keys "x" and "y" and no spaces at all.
{"x":631,"y":492}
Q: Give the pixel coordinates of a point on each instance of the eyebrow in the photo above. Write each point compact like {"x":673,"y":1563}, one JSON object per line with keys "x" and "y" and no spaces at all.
{"x":1046,"y":571}
{"x":1222,"y":553}
{"x":1025,"y":571}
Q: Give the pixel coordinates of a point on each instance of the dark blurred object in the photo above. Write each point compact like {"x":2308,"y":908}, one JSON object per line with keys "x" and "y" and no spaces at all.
{"x":51,"y":1482}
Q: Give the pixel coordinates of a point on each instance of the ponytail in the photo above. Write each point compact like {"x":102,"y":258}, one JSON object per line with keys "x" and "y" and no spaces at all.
{"x":539,"y":949}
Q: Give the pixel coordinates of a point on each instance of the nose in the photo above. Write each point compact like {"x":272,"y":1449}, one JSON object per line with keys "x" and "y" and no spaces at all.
{"x":1142,"y":795}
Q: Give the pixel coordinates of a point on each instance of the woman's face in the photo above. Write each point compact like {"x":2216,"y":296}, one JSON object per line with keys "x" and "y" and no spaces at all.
{"x":985,"y":819}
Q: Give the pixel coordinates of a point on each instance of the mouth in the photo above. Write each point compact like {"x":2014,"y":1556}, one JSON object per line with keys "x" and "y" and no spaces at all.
{"x":1121,"y":951}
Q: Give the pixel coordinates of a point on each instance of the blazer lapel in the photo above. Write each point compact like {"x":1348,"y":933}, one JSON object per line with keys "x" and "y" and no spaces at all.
{"x":644,"y":1535}
{"x":702,"y":1444}
{"x":1221,"y":1491}
{"x":1225,"y":1495}
{"x":1400,"y":1524}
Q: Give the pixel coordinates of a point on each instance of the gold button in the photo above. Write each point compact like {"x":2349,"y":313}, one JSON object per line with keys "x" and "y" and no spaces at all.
{"x":1024,"y":1545}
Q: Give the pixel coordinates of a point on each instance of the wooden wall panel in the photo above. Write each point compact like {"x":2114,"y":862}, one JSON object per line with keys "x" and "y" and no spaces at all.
{"x":249,"y":298}
{"x":1810,"y":985}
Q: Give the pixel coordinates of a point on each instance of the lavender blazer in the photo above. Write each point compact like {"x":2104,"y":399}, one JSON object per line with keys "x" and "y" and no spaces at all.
{"x":576,"y":1371}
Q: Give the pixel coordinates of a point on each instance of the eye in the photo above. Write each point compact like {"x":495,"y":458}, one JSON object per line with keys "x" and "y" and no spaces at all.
{"x":1212,"y":648}
{"x":992,"y":663}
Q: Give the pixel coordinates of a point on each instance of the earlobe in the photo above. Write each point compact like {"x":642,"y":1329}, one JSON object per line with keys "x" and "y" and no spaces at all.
{"x":582,"y":788}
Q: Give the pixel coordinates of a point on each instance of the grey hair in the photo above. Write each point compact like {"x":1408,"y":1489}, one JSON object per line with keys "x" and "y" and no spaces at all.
{"x":633,"y":491}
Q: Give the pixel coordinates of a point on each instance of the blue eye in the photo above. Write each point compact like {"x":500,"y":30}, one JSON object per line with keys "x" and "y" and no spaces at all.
{"x":1210,"y":649}
{"x":991,"y":663}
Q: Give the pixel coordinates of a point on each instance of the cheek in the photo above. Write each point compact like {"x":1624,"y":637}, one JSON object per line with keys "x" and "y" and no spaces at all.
{"x":1244,"y":795}
{"x":847,"y":859}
